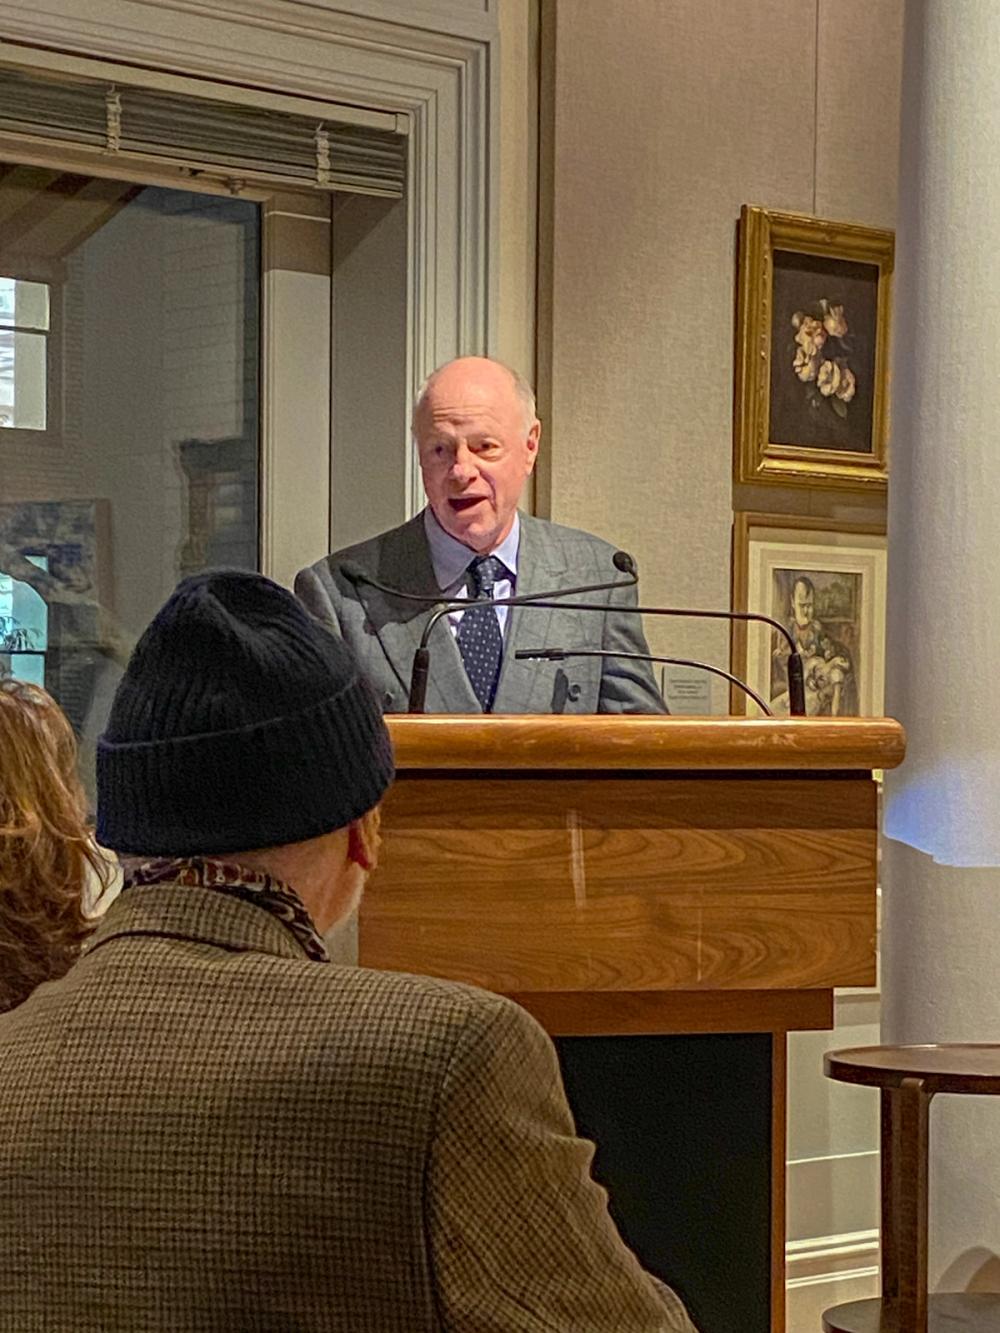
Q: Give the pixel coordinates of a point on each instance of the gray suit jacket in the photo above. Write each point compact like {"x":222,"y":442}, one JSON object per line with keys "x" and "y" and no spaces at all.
{"x":385,"y":631}
{"x":202,"y":1129}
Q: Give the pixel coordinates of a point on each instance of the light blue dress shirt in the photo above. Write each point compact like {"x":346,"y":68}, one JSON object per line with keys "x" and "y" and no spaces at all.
{"x":451,"y":561}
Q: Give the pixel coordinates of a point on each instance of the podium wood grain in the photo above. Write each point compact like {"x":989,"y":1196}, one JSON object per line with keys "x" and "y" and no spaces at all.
{"x":457,"y":741}
{"x":662,"y":1013}
{"x":620,"y":883}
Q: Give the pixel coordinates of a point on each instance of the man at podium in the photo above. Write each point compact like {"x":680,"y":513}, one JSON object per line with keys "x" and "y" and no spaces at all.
{"x":477,"y":436}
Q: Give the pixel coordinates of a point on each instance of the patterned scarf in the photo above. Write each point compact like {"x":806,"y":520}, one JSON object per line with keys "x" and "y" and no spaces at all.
{"x":251,"y":886}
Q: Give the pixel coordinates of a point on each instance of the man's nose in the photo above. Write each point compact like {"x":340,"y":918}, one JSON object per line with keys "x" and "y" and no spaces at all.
{"x":463,"y":467}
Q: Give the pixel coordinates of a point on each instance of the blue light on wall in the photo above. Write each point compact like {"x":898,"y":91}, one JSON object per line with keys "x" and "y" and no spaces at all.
{"x":950,"y":810}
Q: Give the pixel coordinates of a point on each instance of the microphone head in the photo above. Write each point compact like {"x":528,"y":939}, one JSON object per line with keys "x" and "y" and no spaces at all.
{"x":625,"y":563}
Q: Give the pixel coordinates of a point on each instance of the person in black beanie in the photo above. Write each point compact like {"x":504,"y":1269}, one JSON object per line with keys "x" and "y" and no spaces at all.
{"x":242,"y":723}
{"x":206,"y":1124}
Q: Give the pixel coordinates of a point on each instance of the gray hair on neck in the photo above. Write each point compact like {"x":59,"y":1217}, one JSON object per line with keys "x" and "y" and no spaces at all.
{"x":524,"y":391}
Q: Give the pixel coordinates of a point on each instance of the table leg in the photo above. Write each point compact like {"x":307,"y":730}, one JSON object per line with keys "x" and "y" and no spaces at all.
{"x":904,"y":1206}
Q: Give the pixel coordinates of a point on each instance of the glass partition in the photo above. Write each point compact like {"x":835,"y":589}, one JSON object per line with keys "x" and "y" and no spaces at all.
{"x":129,"y":409}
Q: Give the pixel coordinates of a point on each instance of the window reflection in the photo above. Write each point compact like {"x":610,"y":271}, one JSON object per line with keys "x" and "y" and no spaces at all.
{"x":148,"y":470}
{"x":24,"y":624}
{"x":24,"y":354}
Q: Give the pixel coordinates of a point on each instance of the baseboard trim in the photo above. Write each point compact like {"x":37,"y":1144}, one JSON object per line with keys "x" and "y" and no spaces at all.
{"x":832,"y":1258}
{"x":828,"y":1271}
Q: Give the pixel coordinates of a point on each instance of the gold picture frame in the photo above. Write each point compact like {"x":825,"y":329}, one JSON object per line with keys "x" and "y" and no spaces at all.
{"x":827,"y":582}
{"x":812,"y":351}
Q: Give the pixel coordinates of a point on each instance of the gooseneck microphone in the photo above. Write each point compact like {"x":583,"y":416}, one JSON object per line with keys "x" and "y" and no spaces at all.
{"x":421,"y":658}
{"x":621,"y":560}
{"x":553,"y":600}
{"x":561,"y":654}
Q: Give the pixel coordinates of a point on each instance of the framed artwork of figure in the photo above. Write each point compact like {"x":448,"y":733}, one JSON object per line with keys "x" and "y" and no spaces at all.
{"x":828,"y":587}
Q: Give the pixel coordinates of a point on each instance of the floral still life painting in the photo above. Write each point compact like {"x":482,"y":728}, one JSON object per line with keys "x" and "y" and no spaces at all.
{"x":822,"y":352}
{"x":812,"y":344}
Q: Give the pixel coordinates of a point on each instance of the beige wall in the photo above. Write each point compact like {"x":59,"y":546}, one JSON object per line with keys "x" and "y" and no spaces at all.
{"x":368,"y":481}
{"x":664,"y":117}
{"x":513,"y":293}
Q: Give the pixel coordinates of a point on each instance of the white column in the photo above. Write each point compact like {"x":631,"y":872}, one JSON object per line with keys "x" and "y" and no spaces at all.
{"x":941,"y":933}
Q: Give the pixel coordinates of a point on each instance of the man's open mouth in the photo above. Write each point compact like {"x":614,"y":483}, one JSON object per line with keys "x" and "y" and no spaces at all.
{"x":463,"y":502}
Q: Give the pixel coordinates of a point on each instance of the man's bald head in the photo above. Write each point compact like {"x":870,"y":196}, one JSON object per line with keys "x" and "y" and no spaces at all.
{"x":477,"y":437}
{"x":480,"y":365}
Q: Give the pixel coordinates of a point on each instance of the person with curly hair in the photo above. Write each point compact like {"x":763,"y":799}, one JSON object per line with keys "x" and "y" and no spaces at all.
{"x":49,"y":864}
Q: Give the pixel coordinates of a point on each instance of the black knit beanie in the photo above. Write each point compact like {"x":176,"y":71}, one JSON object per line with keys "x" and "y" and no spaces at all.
{"x":241,"y":722}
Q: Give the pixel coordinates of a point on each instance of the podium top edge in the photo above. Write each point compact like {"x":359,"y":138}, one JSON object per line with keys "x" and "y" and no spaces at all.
{"x":639,"y":742}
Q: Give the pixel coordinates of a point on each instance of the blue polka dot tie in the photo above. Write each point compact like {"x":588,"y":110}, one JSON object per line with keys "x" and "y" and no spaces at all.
{"x":479,"y":639}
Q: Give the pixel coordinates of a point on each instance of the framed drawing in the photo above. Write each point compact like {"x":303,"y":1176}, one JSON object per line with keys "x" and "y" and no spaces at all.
{"x":812,"y":351}
{"x":828,"y":586}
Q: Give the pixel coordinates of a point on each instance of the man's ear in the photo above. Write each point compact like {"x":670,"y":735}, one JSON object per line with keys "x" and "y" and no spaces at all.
{"x":363,"y":840}
{"x":534,"y":437}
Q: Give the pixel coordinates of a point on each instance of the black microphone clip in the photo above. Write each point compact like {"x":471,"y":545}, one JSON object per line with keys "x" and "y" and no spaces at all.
{"x":418,"y":680}
{"x":796,"y":685}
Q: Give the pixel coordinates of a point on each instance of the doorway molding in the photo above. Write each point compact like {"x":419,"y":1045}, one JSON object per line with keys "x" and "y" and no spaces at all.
{"x":435,"y":71}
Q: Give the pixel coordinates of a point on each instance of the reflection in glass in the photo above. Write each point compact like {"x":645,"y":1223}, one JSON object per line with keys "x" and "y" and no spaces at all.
{"x":149,"y":469}
{"x":24,"y":305}
{"x":24,"y":324}
{"x":23,"y":376}
{"x":24,"y":622}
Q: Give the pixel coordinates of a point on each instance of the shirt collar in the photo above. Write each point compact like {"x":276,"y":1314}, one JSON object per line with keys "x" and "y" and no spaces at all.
{"x":451,"y":558}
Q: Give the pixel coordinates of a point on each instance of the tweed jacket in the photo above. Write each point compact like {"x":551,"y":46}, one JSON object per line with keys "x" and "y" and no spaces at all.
{"x":385,"y":631}
{"x":202,"y":1129}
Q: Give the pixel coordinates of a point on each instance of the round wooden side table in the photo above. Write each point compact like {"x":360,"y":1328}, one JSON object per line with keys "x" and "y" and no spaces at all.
{"x":909,"y":1076}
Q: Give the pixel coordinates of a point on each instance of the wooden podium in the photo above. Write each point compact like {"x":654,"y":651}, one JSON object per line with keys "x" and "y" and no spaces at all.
{"x":669,"y":897}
